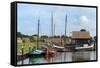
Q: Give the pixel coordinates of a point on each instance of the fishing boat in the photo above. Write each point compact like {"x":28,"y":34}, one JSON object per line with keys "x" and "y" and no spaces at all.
{"x":37,"y":52}
{"x":59,"y":48}
{"x":85,"y":47}
{"x":49,"y":52}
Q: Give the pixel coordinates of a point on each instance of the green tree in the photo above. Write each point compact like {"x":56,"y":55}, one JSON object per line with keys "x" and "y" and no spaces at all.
{"x":31,"y":39}
{"x":82,"y":30}
{"x":44,"y":36}
{"x":19,"y":34}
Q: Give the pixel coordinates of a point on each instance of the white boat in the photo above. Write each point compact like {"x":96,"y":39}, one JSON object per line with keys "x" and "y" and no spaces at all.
{"x":58,"y":47}
{"x":85,"y":47}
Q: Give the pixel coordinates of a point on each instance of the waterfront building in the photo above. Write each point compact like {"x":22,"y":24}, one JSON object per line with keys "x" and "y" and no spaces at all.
{"x":80,"y":38}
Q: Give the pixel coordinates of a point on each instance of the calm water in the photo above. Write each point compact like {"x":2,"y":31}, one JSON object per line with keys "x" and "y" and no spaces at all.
{"x":62,"y":57}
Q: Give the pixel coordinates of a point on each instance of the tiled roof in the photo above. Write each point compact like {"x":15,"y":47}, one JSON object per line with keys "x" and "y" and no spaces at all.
{"x":80,"y":35}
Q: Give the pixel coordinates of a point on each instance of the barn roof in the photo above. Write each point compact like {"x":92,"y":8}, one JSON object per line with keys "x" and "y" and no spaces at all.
{"x":80,"y":35}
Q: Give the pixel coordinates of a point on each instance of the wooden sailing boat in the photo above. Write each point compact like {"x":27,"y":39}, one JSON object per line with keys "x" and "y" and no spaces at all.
{"x":49,"y":51}
{"x":62,"y":48}
{"x":37,"y":51}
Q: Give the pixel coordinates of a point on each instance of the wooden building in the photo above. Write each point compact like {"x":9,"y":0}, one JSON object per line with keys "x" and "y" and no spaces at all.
{"x":79,"y":38}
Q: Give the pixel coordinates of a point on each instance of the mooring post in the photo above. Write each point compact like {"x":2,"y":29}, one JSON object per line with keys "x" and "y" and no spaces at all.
{"x":22,"y":54}
{"x":29,"y":54}
{"x":29,"y":49}
{"x":94,"y":46}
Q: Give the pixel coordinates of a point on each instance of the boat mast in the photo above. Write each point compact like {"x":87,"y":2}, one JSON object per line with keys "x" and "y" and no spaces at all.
{"x":65,"y":36}
{"x":65,"y":29}
{"x":52,"y":28}
{"x":38,"y":33}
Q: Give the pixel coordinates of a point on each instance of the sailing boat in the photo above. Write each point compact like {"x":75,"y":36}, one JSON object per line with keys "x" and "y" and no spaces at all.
{"x":37,"y":51}
{"x":49,"y":51}
{"x":62,"y":48}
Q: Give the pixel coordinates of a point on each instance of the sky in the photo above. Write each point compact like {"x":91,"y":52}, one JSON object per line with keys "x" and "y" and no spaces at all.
{"x":77,"y":18}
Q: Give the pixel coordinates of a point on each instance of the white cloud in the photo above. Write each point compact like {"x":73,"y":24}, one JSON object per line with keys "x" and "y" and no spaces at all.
{"x":84,"y":19}
{"x":83,"y":22}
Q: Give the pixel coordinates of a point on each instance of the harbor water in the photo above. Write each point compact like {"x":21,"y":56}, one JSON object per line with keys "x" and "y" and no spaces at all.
{"x":61,"y":57}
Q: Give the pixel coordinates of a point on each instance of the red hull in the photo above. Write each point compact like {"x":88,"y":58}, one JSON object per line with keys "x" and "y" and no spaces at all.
{"x":48,"y":52}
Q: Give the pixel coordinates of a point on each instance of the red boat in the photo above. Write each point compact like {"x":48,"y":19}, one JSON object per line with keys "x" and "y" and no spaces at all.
{"x":49,"y":52}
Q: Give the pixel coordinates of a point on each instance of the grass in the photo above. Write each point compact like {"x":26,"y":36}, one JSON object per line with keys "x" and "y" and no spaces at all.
{"x":30,"y":45}
{"x":26,"y":46}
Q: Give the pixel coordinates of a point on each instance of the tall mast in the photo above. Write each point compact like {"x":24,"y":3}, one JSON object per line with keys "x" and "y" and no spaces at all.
{"x":65,"y":35}
{"x":65,"y":28}
{"x":52,"y":24}
{"x":54,"y":30}
{"x":38,"y":33}
{"x":52,"y":27}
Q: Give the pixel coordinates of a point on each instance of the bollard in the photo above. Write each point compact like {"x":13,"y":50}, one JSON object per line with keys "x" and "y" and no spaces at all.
{"x":29,"y":54}
{"x":94,"y":46}
{"x":29,"y":49}
{"x":22,"y":54}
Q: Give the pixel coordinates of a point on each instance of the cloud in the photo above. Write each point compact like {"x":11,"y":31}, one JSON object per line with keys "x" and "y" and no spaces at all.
{"x":78,"y":18}
{"x":83,"y":22}
{"x":84,"y":19}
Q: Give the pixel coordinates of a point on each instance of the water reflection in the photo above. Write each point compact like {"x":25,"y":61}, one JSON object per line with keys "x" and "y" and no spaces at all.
{"x":61,"y":57}
{"x":81,"y":56}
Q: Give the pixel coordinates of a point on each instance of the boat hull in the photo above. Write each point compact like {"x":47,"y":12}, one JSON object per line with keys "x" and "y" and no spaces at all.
{"x":37,"y":53}
{"x":84,"y":49}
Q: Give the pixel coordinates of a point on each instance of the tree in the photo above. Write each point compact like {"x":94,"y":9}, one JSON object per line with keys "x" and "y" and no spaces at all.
{"x":31,"y":39}
{"x":44,"y":36}
{"x":56,"y":36}
{"x":82,"y":30}
{"x":63,"y":36}
{"x":19,"y":34}
{"x":35,"y":35}
{"x":26,"y":35}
